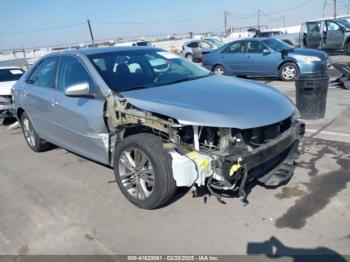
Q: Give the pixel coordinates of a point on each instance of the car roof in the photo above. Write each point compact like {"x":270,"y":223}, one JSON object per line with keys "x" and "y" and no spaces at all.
{"x":101,"y":50}
{"x":252,"y":39}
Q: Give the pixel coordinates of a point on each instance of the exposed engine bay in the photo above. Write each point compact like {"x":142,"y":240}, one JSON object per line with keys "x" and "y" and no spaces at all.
{"x":221,"y":159}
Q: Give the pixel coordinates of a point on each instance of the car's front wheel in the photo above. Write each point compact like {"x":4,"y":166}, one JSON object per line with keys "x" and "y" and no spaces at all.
{"x":32,"y":138}
{"x":289,"y":72}
{"x":143,"y":171}
{"x":219,"y":70}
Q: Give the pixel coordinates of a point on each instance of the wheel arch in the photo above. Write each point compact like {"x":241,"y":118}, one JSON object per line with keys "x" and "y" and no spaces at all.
{"x":217,"y":64}
{"x":288,"y":61}
{"x":19,"y":113}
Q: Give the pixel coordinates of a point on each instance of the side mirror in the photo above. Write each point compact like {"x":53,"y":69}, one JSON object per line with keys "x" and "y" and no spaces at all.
{"x":266,"y":52}
{"x":79,"y":89}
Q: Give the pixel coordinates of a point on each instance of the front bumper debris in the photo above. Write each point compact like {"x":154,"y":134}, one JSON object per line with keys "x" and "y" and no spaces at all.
{"x":272,"y":164}
{"x":6,"y":107}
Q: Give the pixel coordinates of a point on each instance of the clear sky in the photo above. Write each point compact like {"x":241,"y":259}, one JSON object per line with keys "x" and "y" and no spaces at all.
{"x":119,"y":18}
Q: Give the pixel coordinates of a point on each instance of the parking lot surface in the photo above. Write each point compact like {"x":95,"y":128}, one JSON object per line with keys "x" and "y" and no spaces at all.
{"x":60,"y":203}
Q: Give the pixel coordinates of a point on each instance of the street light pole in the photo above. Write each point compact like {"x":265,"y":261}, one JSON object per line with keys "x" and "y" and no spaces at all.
{"x":91,"y":34}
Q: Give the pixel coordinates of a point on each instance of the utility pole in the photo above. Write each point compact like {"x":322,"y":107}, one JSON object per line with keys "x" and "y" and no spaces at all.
{"x":225,"y":21}
{"x":324,"y":8}
{"x":348,"y":7}
{"x":284,"y":21}
{"x":259,"y":19}
{"x":335,"y":9}
{"x":91,"y":34}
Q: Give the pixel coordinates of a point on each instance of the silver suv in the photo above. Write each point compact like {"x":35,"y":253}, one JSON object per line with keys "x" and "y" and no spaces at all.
{"x":194,"y":49}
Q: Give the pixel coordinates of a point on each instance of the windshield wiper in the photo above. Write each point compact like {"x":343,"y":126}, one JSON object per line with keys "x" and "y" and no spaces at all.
{"x":188,"y":79}
{"x":135,"y":88}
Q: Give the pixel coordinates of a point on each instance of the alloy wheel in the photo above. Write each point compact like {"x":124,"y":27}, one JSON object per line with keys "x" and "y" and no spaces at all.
{"x":219,"y":70}
{"x":289,"y":72}
{"x":136,"y":173}
{"x":29,"y":132}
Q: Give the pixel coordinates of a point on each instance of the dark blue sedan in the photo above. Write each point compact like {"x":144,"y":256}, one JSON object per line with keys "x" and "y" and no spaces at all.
{"x":265,"y":57}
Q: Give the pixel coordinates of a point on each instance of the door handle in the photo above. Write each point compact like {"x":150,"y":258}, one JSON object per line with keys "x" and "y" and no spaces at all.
{"x":54,"y":102}
{"x":25,"y":93}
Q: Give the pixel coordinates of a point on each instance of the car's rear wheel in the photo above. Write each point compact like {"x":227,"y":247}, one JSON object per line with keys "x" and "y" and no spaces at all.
{"x":143,"y":171}
{"x":289,"y":72}
{"x":189,"y":56}
{"x":219,"y":69}
{"x":33,"y":140}
{"x":347,"y":47}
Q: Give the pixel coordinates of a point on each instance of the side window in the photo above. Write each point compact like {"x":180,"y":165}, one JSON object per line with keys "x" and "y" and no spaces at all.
{"x":206,"y":45}
{"x":72,"y":72}
{"x":255,"y":47}
{"x":235,"y":48}
{"x":313,"y":28}
{"x":332,"y":26}
{"x":43,"y":75}
{"x":193,"y":45}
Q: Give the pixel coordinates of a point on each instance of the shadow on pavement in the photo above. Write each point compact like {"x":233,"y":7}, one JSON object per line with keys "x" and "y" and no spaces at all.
{"x":274,"y":249}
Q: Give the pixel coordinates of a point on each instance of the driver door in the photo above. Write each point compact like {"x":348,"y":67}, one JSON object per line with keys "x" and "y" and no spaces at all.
{"x":79,"y":121}
{"x":333,"y":35}
{"x":313,"y":35}
{"x":234,"y":58}
{"x":260,"y":63}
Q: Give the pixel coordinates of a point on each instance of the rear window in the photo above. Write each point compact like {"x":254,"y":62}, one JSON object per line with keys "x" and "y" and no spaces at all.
{"x":10,"y":74}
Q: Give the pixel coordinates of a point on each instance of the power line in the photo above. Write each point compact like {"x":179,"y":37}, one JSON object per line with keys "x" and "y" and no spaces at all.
{"x":157,"y":22}
{"x":42,"y":29}
{"x":291,"y":8}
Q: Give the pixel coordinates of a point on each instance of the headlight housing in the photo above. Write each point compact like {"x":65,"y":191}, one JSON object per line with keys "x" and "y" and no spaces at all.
{"x":310,"y":59}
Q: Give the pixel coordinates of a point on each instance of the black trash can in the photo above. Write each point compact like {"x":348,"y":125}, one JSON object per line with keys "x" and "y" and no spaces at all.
{"x":311,"y":96}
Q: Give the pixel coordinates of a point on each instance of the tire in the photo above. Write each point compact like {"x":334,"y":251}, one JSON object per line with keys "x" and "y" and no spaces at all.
{"x":142,"y":187}
{"x":33,"y":140}
{"x":219,"y":70}
{"x":347,"y":48}
{"x":289,"y":72}
{"x":189,"y":56}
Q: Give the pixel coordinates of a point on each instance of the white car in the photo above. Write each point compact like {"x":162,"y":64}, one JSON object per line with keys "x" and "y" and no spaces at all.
{"x":8,"y":77}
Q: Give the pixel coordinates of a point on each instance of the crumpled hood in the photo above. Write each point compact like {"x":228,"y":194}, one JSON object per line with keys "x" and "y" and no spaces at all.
{"x":309,"y":52}
{"x":215,"y":101}
{"x":5,"y":88}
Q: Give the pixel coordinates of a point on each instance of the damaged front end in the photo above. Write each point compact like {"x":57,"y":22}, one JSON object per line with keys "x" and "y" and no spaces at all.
{"x":227,"y":159}
{"x":219,"y":158}
{"x":6,"y":107}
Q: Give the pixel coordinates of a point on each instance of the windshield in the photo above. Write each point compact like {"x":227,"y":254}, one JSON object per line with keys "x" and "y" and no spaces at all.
{"x":276,"y":44}
{"x":137,"y":69}
{"x":215,"y":42}
{"x":344,"y":23}
{"x":10,"y":74}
